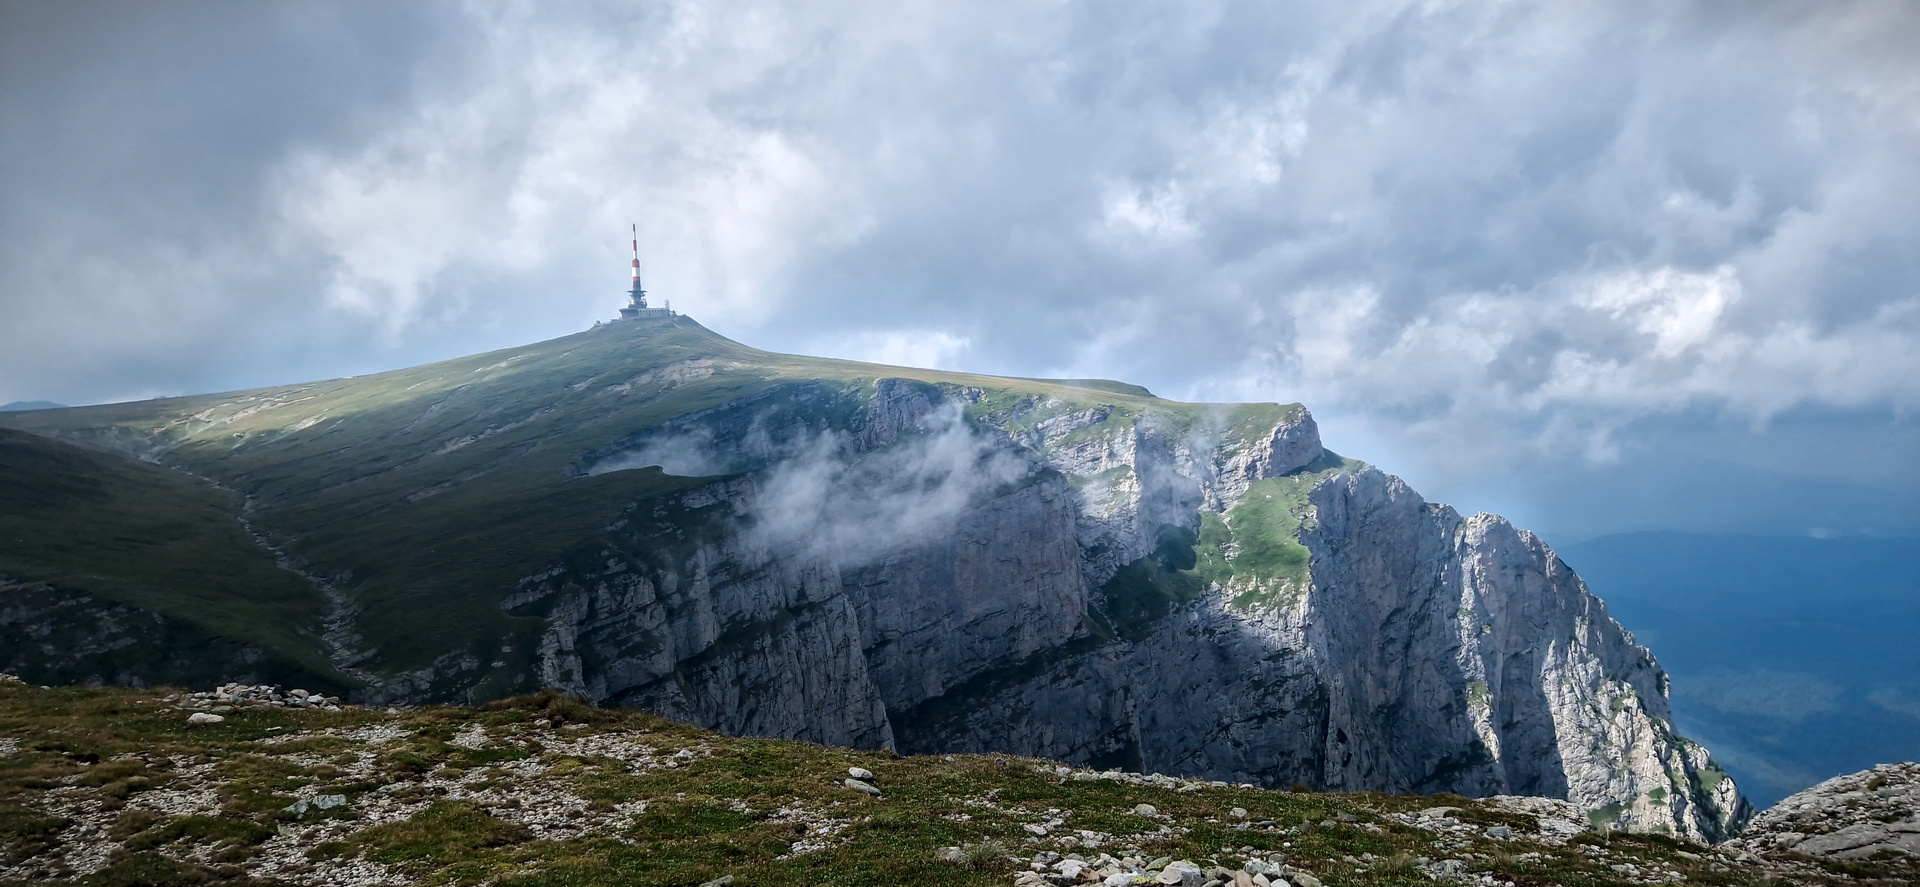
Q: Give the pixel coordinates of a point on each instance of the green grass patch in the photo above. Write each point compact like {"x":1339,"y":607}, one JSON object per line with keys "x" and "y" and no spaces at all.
{"x":1266,"y":523}
{"x":152,"y":869}
{"x":444,"y":832}
{"x":202,"y":829}
{"x":1255,"y":550}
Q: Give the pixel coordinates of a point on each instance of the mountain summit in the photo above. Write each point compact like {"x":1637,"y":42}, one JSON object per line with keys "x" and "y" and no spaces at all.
{"x":656,"y":517}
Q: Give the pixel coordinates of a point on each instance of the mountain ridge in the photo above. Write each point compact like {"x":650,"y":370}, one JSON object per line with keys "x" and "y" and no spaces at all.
{"x":654,"y":516}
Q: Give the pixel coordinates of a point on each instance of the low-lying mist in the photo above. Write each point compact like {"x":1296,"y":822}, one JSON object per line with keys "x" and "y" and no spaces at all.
{"x":819,"y":492}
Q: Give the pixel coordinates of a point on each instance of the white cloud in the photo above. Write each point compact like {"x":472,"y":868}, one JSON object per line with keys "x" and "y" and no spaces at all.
{"x":1156,"y":213}
{"x":854,"y":508}
{"x":910,"y":348}
{"x":1679,"y":309}
{"x":1896,"y":700}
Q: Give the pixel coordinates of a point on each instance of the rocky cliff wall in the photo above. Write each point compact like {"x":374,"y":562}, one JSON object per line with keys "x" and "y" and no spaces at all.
{"x":719,"y":629}
{"x":1072,"y":604}
{"x":1004,"y":585}
{"x":1461,"y":655}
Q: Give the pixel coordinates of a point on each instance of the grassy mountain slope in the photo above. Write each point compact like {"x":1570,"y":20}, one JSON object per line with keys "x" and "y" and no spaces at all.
{"x":100,"y":528}
{"x":425,"y":493}
{"x":109,"y":787}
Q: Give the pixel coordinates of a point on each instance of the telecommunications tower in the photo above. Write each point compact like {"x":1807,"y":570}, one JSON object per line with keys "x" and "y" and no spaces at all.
{"x":638,"y":308}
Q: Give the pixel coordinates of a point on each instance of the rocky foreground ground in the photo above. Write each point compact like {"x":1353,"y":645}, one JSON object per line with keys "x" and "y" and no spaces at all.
{"x":244,"y":785}
{"x":1868,"y":817}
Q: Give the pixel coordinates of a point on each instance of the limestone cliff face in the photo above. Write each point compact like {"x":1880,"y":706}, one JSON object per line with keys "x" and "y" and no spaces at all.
{"x":1223,"y":599}
{"x":1498,"y":672}
{"x":1003,"y":586}
{"x":722,"y":632}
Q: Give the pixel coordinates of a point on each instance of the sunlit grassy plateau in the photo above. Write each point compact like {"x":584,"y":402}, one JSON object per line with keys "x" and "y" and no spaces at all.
{"x":546,"y":790}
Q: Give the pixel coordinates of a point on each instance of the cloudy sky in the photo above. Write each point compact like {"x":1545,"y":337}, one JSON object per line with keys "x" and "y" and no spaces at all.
{"x":1600,"y":266}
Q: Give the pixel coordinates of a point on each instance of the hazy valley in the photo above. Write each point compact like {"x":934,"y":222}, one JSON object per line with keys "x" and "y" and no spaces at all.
{"x":1792,"y":657}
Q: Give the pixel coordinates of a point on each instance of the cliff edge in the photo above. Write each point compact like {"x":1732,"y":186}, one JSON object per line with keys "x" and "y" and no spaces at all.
{"x":654,"y":517}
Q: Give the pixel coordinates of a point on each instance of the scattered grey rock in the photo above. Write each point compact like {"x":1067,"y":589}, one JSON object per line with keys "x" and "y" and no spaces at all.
{"x":863,"y":787}
{"x":860,"y":773}
{"x":203,"y":717}
{"x":230,"y":697}
{"x":1182,"y":873}
{"x":722,"y":881}
{"x":1145,"y":810}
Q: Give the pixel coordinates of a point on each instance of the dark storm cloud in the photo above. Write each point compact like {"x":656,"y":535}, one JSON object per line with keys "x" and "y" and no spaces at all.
{"x":1512,"y":250}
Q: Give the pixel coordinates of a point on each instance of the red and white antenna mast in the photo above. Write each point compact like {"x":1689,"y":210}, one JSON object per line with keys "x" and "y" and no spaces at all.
{"x":638,"y":308}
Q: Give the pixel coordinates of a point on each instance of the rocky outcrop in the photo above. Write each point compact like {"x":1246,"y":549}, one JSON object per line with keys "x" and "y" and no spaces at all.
{"x":1290,"y":445}
{"x":1501,"y":673}
{"x":1870,"y":815}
